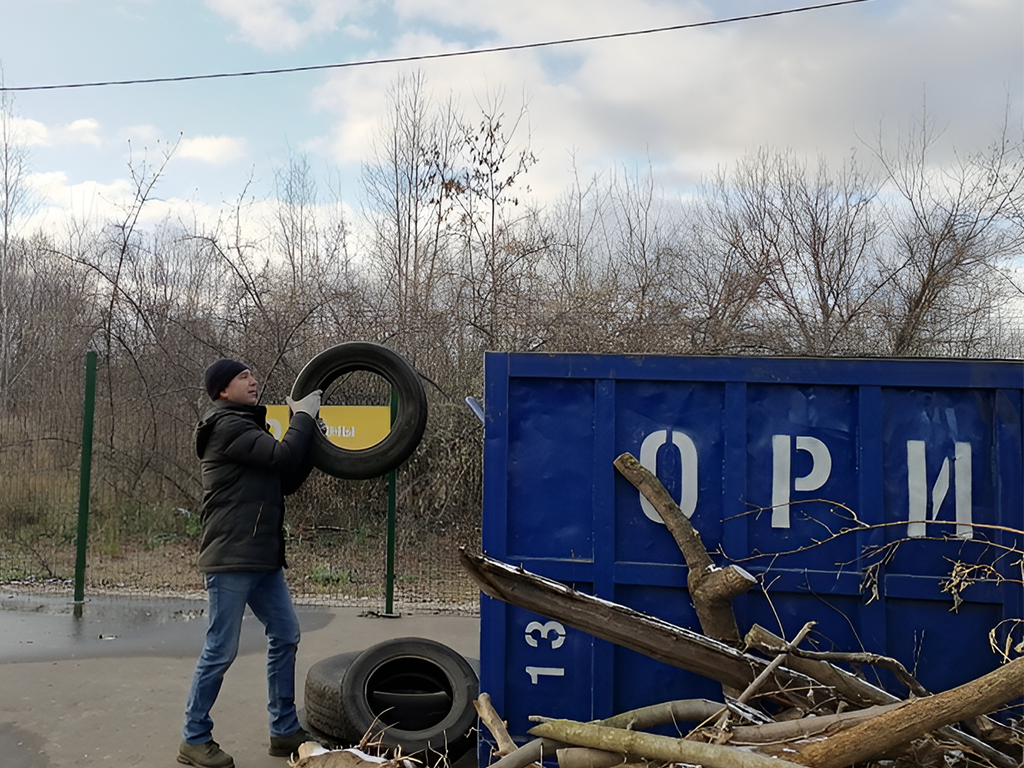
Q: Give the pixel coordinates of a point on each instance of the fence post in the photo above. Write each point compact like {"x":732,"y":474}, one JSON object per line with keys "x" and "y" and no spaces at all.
{"x":389,"y":576}
{"x":85,"y":478}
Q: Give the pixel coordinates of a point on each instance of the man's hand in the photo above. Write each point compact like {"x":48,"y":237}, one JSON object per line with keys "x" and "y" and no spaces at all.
{"x":310,"y":404}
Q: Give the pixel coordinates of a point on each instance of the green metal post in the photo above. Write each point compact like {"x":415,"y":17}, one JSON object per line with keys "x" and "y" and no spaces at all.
{"x":389,"y":586}
{"x":85,"y":476}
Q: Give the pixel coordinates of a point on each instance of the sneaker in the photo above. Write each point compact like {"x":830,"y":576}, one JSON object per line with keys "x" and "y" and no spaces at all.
{"x":208,"y":755}
{"x":284,"y":746}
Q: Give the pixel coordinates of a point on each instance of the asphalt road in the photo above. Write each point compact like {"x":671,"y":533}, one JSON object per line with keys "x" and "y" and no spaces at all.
{"x":108,"y":687}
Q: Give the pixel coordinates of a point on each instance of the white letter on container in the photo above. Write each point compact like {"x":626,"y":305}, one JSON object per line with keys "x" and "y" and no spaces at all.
{"x":782,"y":474}
{"x":687,"y":470}
{"x":917,"y":489}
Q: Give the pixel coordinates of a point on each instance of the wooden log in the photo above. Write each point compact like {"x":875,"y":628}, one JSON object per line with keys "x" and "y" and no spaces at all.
{"x":774,"y":664}
{"x":849,"y":686}
{"x":766,"y":641}
{"x":673,"y":713}
{"x":531,"y":752}
{"x":661,"y":640}
{"x":863,"y":693}
{"x":666,"y":713}
{"x":711,"y":588}
{"x":654,"y":747}
{"x":999,"y":735}
{"x":751,"y":689}
{"x":682,"y":530}
{"x":916,"y":718}
{"x":584,"y":757}
{"x":804,"y":727}
{"x":494,"y":724}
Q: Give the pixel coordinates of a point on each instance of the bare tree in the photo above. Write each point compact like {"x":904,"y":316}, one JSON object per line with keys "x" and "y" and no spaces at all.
{"x":574,"y":288}
{"x":952,"y":229}
{"x":805,"y":245}
{"x":718,"y":292}
{"x":15,"y":205}
{"x":638,"y":237}
{"x":500,"y":243}
{"x":409,"y":182}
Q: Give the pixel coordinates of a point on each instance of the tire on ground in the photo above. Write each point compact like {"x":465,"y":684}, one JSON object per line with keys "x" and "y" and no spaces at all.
{"x":416,"y":693}
{"x":409,"y":422}
{"x":322,"y":698}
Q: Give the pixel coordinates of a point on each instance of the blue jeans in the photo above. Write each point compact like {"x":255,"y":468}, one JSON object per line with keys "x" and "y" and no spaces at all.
{"x":266,"y":592}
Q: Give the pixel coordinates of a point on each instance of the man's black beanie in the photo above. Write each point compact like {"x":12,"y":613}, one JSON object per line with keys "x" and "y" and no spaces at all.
{"x":220,"y":374}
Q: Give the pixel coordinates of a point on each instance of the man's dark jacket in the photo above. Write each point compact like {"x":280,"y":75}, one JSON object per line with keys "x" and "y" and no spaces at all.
{"x":246,"y":474}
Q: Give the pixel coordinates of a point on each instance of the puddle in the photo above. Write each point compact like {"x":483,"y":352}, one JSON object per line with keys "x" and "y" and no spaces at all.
{"x":21,"y":748}
{"x":52,"y":627}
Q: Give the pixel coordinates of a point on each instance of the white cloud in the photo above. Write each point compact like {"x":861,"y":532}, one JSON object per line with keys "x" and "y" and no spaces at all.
{"x":276,"y":25}
{"x":696,"y":99}
{"x":88,"y":202}
{"x":140,"y":135}
{"x":30,"y":133}
{"x":33,"y":133}
{"x":50,"y":188}
{"x":91,"y":204}
{"x":359,"y":32}
{"x":536,"y":20}
{"x":690,"y":100}
{"x":83,"y":131}
{"x":358,"y":97}
{"x":212,"y":149}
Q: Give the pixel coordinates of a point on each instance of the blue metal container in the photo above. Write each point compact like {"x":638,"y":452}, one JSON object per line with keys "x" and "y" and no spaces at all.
{"x":851,"y":488}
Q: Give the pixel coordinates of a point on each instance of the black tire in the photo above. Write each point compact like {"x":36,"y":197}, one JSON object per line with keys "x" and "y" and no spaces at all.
{"x":322,"y":698}
{"x":409,"y":422}
{"x":416,"y":693}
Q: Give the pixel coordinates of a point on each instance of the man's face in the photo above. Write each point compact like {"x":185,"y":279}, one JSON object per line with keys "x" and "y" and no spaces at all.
{"x":242,"y":389}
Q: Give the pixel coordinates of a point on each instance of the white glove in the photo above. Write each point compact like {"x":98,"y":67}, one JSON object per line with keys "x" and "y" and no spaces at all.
{"x":310,"y":404}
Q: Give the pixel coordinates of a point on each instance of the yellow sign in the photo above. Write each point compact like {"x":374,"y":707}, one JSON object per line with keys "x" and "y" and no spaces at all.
{"x":353,"y":427}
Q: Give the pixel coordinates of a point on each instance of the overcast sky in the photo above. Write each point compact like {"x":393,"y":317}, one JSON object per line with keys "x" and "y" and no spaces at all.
{"x":687,"y":101}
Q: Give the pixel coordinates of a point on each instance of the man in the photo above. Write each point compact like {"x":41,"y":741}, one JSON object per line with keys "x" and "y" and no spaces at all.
{"x":246,"y":474}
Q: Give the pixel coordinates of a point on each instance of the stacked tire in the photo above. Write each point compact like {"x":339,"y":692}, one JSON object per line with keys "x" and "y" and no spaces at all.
{"x":412,"y":693}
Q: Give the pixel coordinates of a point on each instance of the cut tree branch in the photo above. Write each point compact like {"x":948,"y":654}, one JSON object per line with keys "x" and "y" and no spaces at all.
{"x":654,"y":747}
{"x":711,"y":588}
{"x":858,"y":691}
{"x":916,"y":718}
{"x":661,"y":640}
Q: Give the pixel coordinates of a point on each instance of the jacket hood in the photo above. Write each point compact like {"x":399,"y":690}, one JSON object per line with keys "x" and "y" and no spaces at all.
{"x":216,"y":412}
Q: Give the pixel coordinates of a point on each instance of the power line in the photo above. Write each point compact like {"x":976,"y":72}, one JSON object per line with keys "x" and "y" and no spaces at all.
{"x":432,"y":56}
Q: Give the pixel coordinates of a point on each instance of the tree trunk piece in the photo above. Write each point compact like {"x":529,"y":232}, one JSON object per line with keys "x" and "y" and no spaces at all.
{"x":667,"y":713}
{"x":494,"y":724}
{"x":653,"y":747}
{"x":916,"y":718}
{"x":528,"y":754}
{"x":863,"y":693}
{"x":804,"y":727}
{"x":583,"y":757}
{"x":711,"y":588}
{"x":774,"y":664}
{"x":653,"y":637}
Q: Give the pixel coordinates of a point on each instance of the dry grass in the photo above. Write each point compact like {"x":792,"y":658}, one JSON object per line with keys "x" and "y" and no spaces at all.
{"x":322,"y":570}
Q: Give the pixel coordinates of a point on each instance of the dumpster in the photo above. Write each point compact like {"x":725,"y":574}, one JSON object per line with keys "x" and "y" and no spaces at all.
{"x":855,"y":490}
